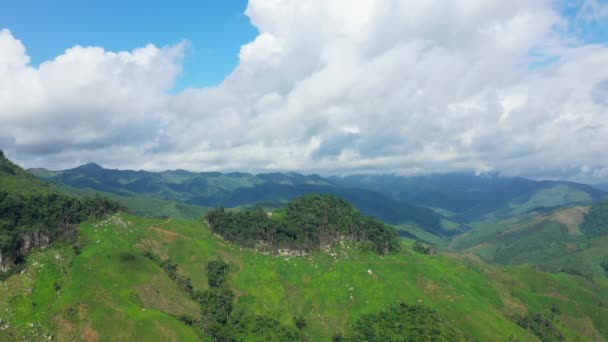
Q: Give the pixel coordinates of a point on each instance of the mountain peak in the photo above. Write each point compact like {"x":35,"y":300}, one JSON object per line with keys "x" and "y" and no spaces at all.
{"x":90,"y":166}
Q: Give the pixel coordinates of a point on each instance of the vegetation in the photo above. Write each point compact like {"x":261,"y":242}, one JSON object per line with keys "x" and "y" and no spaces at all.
{"x":32,"y":215}
{"x":540,"y":325}
{"x":130,"y":278}
{"x":420,"y":247}
{"x":475,"y":197}
{"x":213,"y":189}
{"x":307,"y":224}
{"x":596,"y":221}
{"x":112,"y":291}
{"x":219,"y":319}
{"x":141,"y":206}
{"x":403,"y":322}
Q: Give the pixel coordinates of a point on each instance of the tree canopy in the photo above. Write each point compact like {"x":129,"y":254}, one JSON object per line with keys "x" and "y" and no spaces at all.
{"x":308,"y":223}
{"x":404,"y":322}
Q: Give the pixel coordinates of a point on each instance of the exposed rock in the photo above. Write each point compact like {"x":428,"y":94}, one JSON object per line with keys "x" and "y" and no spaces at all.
{"x":27,"y":242}
{"x":6,"y":261}
{"x":33,"y":240}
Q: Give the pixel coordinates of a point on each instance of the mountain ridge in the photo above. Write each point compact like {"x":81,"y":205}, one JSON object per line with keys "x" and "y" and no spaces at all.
{"x":212,"y":189}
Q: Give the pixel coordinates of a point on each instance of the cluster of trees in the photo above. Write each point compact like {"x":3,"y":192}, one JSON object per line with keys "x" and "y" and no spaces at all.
{"x":307,"y":223}
{"x":50,"y":214}
{"x":403,"y":322}
{"x":224,"y":322}
{"x":596,"y":220}
{"x":422,"y":248}
{"x":170,"y":268}
{"x":540,"y":325}
{"x":220,"y":319}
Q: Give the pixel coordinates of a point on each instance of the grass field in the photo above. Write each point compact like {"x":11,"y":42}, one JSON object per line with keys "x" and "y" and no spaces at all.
{"x":110,"y":291}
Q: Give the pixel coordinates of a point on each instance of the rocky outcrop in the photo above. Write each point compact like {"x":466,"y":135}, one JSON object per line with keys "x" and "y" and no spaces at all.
{"x":27,"y":242}
{"x":7,"y":261}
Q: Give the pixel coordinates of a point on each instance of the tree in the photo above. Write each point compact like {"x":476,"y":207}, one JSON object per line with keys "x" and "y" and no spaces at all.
{"x":300,"y":322}
{"x":217,"y":272}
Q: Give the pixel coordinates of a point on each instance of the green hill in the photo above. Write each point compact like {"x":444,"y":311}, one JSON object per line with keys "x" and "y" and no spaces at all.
{"x":213,"y":189}
{"x":111,"y":290}
{"x":14,"y":179}
{"x":571,"y":239}
{"x":33,"y":215}
{"x":308,"y":223}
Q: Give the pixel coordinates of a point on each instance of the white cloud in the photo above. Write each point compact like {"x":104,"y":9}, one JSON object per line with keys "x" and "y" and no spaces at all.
{"x":331,"y":86}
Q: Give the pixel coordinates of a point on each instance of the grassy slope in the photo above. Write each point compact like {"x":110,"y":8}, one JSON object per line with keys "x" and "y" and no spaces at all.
{"x":142,"y":206}
{"x":109,"y":287}
{"x":13,"y":179}
{"x":101,"y":293}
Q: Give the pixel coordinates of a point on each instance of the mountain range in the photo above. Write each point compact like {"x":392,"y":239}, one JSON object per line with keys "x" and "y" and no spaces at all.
{"x":443,"y":204}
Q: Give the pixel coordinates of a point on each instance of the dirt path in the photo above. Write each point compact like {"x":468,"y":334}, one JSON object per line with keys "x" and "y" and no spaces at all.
{"x":168,"y":234}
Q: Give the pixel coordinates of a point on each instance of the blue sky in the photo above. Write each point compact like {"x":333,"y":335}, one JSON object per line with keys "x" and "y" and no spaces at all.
{"x":215,"y":30}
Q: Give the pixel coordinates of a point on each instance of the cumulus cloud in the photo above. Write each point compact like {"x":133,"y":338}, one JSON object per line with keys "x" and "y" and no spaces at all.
{"x":331,"y":86}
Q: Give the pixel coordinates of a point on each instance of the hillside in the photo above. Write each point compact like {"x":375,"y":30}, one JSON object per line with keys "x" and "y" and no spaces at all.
{"x":14,"y":179}
{"x":141,"y":206}
{"x":571,"y":239}
{"x":110,"y":289}
{"x":213,"y":189}
{"x":33,"y":215}
{"x":476,"y":197}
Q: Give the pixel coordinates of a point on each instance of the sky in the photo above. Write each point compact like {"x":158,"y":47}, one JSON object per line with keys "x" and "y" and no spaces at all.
{"x":330,"y":87}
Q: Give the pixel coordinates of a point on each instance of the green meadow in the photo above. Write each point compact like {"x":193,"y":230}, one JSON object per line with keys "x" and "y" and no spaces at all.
{"x":107,"y":289}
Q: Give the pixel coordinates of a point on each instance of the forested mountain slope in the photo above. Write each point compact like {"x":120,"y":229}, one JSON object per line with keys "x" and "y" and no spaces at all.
{"x":474,"y":197}
{"x":238,"y":189}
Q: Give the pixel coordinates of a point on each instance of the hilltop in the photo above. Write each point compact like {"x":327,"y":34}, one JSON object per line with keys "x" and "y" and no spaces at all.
{"x":308,"y":223}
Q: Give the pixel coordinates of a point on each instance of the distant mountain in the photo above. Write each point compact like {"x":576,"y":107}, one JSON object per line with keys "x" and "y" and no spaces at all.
{"x":213,"y":189}
{"x":473,"y":197}
{"x":603,"y":187}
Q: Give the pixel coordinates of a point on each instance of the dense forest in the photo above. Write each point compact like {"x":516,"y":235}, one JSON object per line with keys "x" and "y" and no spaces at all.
{"x":308,"y":223}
